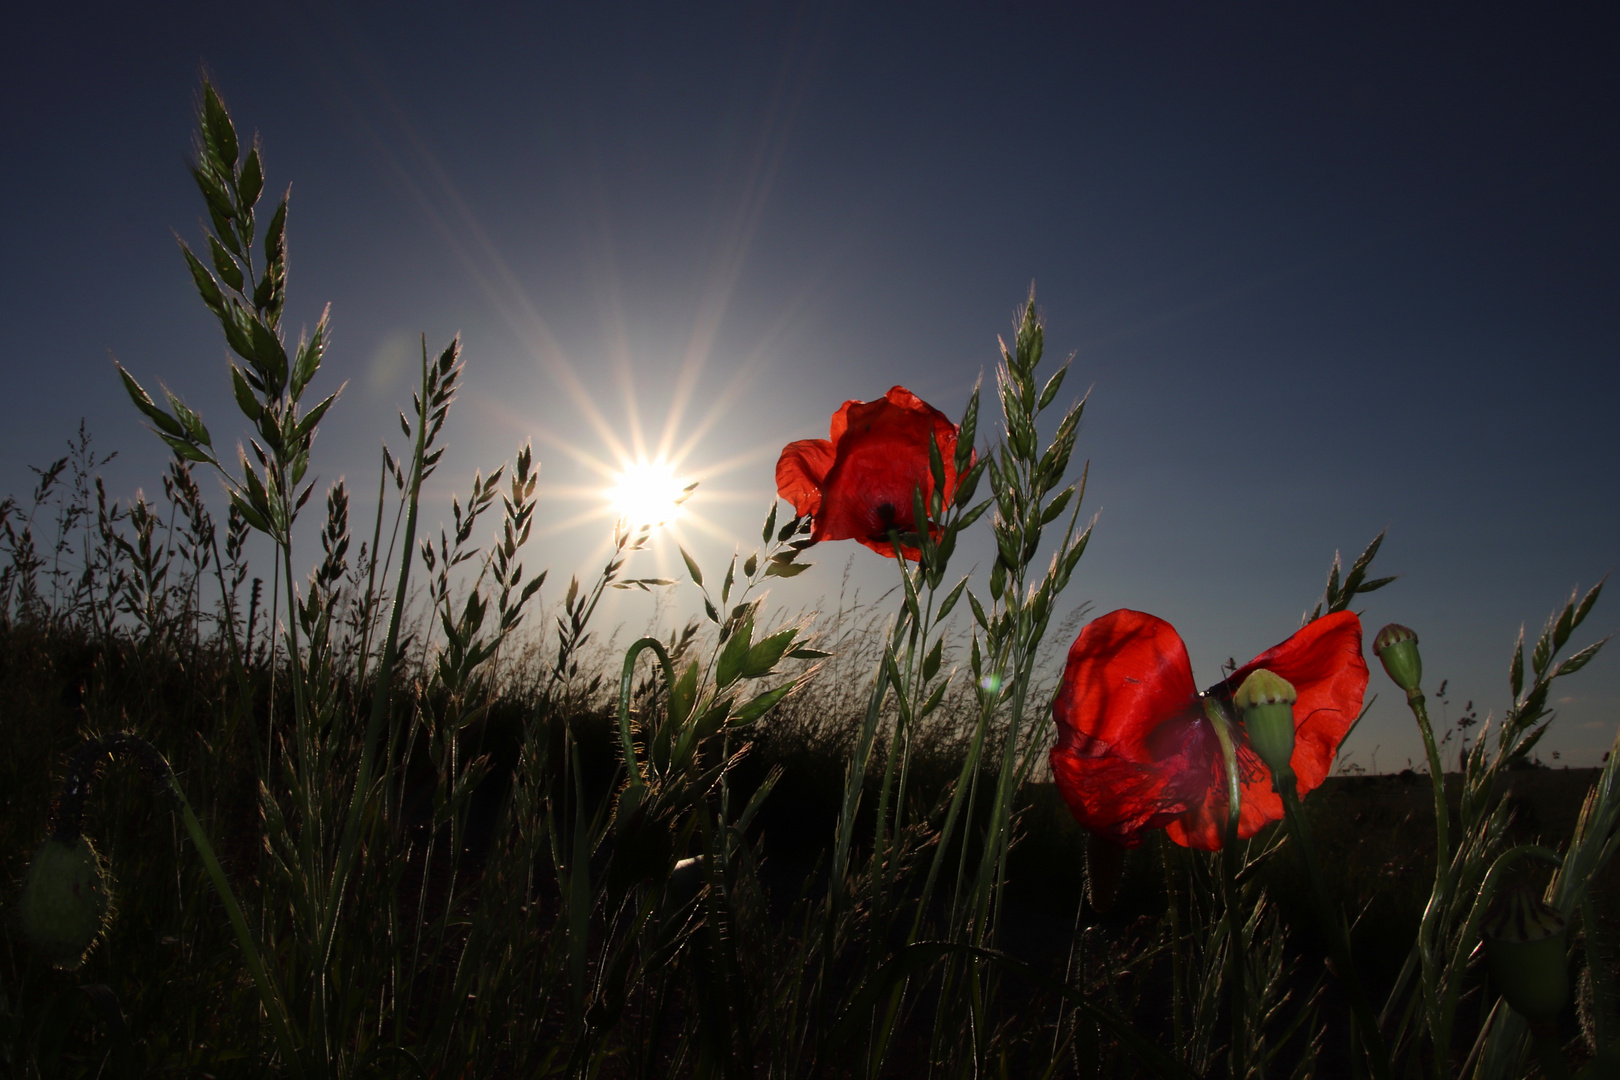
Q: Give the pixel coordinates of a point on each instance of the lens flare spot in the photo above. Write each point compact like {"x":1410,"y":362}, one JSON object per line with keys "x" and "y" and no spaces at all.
{"x":648,"y":493}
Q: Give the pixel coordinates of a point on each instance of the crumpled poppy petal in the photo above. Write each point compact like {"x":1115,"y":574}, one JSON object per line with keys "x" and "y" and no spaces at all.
{"x":1126,"y":680}
{"x":800,"y":471}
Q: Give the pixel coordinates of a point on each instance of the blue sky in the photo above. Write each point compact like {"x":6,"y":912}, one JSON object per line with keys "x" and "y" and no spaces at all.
{"x":1326,"y":272}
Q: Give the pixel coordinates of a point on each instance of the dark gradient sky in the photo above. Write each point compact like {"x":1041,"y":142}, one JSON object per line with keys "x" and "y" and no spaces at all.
{"x":1325,"y":271}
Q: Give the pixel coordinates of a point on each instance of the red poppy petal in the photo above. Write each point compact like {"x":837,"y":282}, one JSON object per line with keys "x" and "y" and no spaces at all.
{"x":800,"y":472}
{"x":1126,"y":673}
{"x":1323,"y":661}
{"x":1111,"y":796}
{"x":840,"y":420}
{"x":1204,"y":826}
{"x":1127,"y":678}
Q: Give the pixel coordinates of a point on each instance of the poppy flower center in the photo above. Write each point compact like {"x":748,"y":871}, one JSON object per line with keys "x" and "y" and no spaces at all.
{"x":1186,"y":733}
{"x":885,"y":520}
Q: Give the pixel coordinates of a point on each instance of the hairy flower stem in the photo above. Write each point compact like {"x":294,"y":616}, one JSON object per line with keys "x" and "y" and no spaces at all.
{"x":1333,"y":926}
{"x":1430,"y":925}
{"x":1237,"y":961}
{"x":1549,"y":1049}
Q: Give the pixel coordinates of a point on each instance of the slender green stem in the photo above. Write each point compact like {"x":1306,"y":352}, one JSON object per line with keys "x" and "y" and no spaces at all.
{"x":1429,"y":927}
{"x":1549,"y":1050}
{"x":1237,"y":959}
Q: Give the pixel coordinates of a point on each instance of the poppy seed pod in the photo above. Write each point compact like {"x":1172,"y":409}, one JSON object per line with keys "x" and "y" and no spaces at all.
{"x":64,"y":901}
{"x":1525,"y":949}
{"x":1266,"y":702}
{"x":1397,"y":647}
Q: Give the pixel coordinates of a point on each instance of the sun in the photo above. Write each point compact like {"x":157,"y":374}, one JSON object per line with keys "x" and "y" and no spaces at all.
{"x":648,"y":493}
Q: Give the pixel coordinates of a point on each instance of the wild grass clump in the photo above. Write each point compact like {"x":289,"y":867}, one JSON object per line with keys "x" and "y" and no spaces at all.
{"x":390,"y":815}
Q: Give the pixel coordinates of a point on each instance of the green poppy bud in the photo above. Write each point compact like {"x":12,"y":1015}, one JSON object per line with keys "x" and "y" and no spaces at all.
{"x":1266,"y":703}
{"x":1525,"y":950}
{"x":64,"y":901}
{"x":1397,"y":647}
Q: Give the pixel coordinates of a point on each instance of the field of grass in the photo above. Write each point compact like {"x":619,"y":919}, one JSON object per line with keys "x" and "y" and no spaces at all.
{"x":374,"y":811}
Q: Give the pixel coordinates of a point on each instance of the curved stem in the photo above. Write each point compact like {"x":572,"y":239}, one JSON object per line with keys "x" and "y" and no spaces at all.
{"x":626,"y":688}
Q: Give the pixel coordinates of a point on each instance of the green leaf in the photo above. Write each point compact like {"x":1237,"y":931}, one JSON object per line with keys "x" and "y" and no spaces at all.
{"x":731,"y":578}
{"x":786,"y":570}
{"x":935,"y":657}
{"x":219,"y":134}
{"x":226,"y":266}
{"x":807,"y":654}
{"x":763,"y":657}
{"x":692,"y":567}
{"x":309,"y":356}
{"x":729,"y":667}
{"x":1055,"y":507}
{"x":967,"y":483}
{"x":249,"y":515}
{"x":683,"y":695}
{"x":245,"y":399}
{"x":763,"y":704}
{"x":750,"y":565}
{"x":218,"y":200}
{"x":207,"y":287}
{"x":189,"y":420}
{"x":1543,"y":653}
{"x":951,"y":598}
{"x":978,"y":611}
{"x":275,"y":237}
{"x":270,"y":355}
{"x":313,"y":417}
{"x":1052,"y":384}
{"x":934,"y":699}
{"x":966,"y":432}
{"x":250,"y":184}
{"x":1565,"y":624}
{"x":184,"y":448}
{"x":1574,"y":663}
{"x":770,"y":524}
{"x":973,"y":515}
{"x":1516,"y":667}
{"x":143,"y":401}
{"x":1586,"y":604}
{"x":936,"y":463}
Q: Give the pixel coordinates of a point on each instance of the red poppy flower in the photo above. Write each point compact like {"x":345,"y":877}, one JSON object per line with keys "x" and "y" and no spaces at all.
{"x":1136,"y":751}
{"x":857,"y":484}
